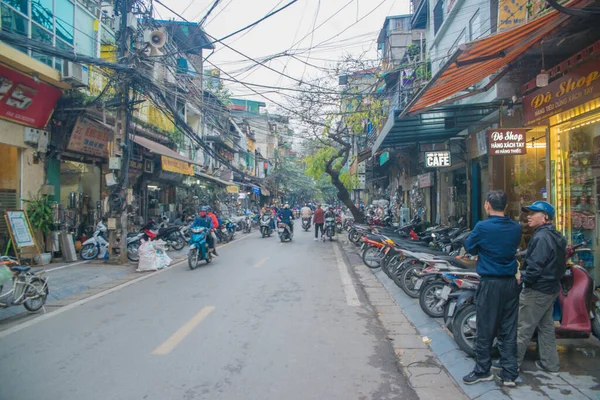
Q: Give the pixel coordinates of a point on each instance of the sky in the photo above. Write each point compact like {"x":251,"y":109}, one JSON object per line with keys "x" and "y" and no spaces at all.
{"x":351,"y":27}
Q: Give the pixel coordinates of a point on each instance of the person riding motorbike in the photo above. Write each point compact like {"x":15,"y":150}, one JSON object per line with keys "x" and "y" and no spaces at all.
{"x":330,"y":213}
{"x":286,"y":216}
{"x":306,"y":213}
{"x":203,"y":220}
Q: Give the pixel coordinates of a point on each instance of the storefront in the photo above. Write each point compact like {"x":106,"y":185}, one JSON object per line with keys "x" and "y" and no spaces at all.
{"x":570,"y":106}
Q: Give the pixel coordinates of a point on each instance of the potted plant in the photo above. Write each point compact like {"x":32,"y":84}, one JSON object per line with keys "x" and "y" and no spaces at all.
{"x":39,"y":211}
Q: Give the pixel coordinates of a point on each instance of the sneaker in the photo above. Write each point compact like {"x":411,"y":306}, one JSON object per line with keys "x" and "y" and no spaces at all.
{"x":506,"y":382}
{"x":316,"y":239}
{"x":215,"y":253}
{"x":474,"y":377}
{"x":546,"y":370}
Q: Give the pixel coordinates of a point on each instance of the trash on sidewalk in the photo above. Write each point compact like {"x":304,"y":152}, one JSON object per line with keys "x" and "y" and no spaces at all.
{"x":426,"y":340}
{"x":153,"y":256}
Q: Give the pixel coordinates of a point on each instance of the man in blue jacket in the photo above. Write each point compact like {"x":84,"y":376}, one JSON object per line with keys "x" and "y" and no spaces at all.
{"x":495,"y":241}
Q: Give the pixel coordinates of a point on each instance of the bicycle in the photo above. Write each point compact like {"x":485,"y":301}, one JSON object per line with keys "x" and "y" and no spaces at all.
{"x":28,"y":289}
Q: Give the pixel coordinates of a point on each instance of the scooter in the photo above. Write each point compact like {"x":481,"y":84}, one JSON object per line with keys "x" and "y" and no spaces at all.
{"x":265,"y":226}
{"x":306,"y":224}
{"x":329,"y":228}
{"x":285,"y":232}
{"x":198,"y":247}
{"x":97,"y":245}
{"x":172,"y":236}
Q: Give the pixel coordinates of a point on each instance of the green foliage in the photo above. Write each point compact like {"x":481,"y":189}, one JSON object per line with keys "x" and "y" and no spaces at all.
{"x":289,"y":176}
{"x":39,"y":211}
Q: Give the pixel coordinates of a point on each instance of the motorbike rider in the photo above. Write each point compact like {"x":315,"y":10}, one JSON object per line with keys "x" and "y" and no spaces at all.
{"x":286,"y":216}
{"x":545,"y":264}
{"x":330,"y":213}
{"x":203,"y":220}
{"x":306,"y":213}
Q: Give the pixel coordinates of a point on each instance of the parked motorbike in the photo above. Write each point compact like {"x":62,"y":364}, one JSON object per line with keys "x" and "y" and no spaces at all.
{"x":199,"y":250}
{"x":171,"y":235}
{"x":329,"y":228}
{"x":285,"y":233}
{"x":265,"y":226}
{"x":28,"y":289}
{"x":339,"y":226}
{"x":306,"y":224}
{"x":247,"y":228}
{"x":97,"y":245}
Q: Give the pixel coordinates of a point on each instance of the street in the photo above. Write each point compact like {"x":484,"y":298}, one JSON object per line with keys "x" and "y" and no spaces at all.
{"x":265,"y":320}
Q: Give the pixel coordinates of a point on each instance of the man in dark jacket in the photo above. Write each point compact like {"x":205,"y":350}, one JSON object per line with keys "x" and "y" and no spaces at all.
{"x":286,"y":216}
{"x":545,"y":264}
{"x":495,"y":240}
{"x":318,"y":220}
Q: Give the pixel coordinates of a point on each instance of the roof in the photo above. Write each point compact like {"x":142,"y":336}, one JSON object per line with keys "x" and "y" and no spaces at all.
{"x":158,"y":148}
{"x":382,"y":32}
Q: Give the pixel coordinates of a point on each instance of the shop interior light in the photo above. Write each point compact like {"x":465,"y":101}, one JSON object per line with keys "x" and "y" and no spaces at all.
{"x":152,"y":187}
{"x":536,"y":145}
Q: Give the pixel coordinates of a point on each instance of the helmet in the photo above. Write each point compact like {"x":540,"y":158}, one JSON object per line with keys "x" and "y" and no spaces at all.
{"x":204,"y":209}
{"x":286,"y":205}
{"x":540,"y":206}
{"x":208,"y":209}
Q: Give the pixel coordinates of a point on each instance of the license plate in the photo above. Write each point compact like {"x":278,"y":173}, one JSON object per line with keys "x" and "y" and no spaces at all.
{"x":445,"y":292}
{"x":451,"y":308}
{"x":281,"y":229}
{"x":418,"y":284}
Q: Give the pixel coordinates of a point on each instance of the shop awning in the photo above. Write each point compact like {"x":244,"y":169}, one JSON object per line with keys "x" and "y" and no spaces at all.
{"x":477,"y":60}
{"x":214,"y":179}
{"x":264,"y":191}
{"x":160,"y":149}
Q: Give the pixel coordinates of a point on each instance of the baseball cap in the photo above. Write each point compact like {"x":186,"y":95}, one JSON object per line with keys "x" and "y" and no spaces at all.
{"x":540,"y":206}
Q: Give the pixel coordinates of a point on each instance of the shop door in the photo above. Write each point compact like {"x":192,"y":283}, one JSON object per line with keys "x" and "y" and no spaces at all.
{"x":9,"y":187}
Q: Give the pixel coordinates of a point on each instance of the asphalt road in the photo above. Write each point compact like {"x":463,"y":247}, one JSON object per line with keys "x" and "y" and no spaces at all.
{"x":266,"y":320}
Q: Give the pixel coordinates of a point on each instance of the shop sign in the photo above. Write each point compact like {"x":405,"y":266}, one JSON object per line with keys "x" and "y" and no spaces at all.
{"x":177,"y":166}
{"x":425,"y":180}
{"x":511,"y":13}
{"x":384,"y":158}
{"x":250,"y":145}
{"x":90,"y":137}
{"x":437,"y":159}
{"x":169,"y":176}
{"x":255,"y":190}
{"x":233,"y":189}
{"x":25,"y":101}
{"x":507,"y":142}
{"x":575,"y":88}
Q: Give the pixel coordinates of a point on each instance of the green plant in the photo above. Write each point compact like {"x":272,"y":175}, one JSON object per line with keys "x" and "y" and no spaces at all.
{"x":40,"y":213}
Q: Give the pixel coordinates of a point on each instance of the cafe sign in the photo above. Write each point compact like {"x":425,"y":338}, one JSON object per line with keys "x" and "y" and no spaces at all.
{"x":573,"y":89}
{"x":437,"y":159}
{"x":507,"y":142}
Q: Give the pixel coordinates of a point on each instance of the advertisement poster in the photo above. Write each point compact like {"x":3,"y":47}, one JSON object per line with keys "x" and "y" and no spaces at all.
{"x":25,"y":101}
{"x":90,"y":137}
{"x":20,"y":229}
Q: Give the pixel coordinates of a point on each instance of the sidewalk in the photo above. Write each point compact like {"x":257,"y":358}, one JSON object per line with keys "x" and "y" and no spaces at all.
{"x":580,"y":359}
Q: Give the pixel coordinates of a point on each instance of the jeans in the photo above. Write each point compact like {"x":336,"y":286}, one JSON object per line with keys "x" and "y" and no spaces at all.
{"x":535,"y":311}
{"x":317,"y":228}
{"x":497,"y":308}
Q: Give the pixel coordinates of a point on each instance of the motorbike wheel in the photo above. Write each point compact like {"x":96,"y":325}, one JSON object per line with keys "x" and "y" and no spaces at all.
{"x":193,"y":258}
{"x":464,"y":329}
{"x":354,"y":237}
{"x":368,"y":257}
{"x":177,"y":242}
{"x":36,"y":295}
{"x":132,"y":251}
{"x":429,"y":298}
{"x":264,"y":233}
{"x":596,"y":320}
{"x":409,"y":278}
{"x":281,"y":238}
{"x":89,"y":251}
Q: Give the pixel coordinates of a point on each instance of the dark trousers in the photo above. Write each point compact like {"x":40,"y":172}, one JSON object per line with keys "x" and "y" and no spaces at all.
{"x":497,"y":308}
{"x":317,"y":228}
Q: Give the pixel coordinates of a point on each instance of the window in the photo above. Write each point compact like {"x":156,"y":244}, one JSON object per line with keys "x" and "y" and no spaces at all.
{"x":14,"y":22}
{"x":40,"y":34}
{"x":19,"y":5}
{"x":42,"y":13}
{"x":438,"y":15}
{"x":86,"y":36}
{"x":65,"y":19}
{"x":474,"y":26}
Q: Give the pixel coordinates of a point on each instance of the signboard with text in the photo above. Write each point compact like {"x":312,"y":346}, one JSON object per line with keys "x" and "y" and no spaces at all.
{"x":177,"y":166}
{"x":25,"y":101}
{"x":511,"y":13}
{"x":507,"y":142}
{"x":425,"y":180}
{"x":573,"y":89}
{"x":90,"y":137}
{"x":437,"y":159}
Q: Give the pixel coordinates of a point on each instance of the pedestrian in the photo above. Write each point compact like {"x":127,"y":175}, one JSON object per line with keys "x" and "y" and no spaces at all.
{"x":544,"y":266}
{"x":319,"y":221}
{"x":495,"y":241}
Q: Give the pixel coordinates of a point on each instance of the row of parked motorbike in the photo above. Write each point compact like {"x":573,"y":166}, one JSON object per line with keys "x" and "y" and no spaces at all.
{"x":431,"y":265}
{"x":175,"y":237}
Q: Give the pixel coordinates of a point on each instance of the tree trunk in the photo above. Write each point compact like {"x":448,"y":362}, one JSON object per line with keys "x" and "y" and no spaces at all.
{"x":343,"y":194}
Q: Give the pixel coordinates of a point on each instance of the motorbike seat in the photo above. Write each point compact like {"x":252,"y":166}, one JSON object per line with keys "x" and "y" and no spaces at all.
{"x":21,"y":268}
{"x":459,"y":262}
{"x":376,"y":238}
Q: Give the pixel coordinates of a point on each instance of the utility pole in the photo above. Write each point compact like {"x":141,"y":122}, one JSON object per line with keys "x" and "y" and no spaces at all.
{"x":123,"y":122}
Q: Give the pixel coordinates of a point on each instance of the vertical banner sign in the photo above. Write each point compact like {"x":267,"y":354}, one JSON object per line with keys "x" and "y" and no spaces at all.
{"x":25,"y":101}
{"x":507,"y":142}
{"x":511,"y":13}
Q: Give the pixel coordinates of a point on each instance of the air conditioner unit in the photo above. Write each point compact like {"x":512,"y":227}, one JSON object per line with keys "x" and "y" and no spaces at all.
{"x":76,"y":74}
{"x":149,"y":166}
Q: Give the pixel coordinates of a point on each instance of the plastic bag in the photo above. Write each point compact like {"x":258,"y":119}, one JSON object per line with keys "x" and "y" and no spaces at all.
{"x":147,"y":255}
{"x":162,"y":260}
{"x":5,"y":274}
{"x":160,"y":245}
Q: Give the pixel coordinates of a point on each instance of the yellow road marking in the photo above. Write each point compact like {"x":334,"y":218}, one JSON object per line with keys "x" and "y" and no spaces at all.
{"x":182,"y":332}
{"x":261,"y":262}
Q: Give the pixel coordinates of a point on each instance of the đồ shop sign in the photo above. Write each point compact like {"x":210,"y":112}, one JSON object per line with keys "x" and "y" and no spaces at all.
{"x":507,"y":142}
{"x":437,"y":159}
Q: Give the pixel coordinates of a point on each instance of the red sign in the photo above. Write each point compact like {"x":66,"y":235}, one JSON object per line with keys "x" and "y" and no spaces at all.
{"x":25,"y":101}
{"x":90,"y":137}
{"x":507,"y":142}
{"x":573,"y":89}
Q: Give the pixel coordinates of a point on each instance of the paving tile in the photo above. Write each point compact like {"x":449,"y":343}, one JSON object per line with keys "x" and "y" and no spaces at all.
{"x":421,"y":357}
{"x":456,"y":357}
{"x":428,"y":377}
{"x":496,"y":394}
{"x":407,"y":341}
{"x":401,"y":329}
